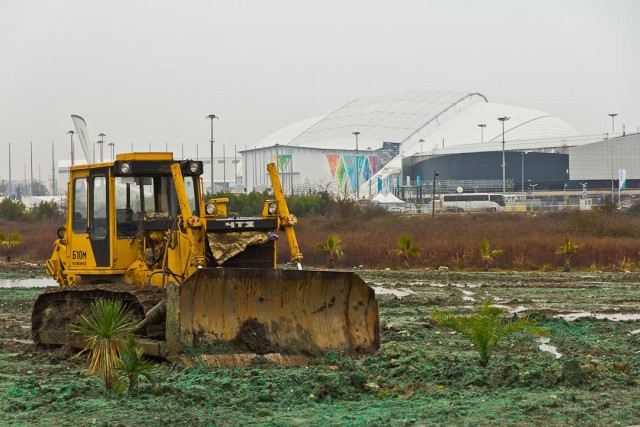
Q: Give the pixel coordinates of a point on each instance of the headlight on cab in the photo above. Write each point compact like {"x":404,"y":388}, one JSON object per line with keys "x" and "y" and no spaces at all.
{"x":273,"y":208}
{"x":193,"y":167}
{"x":125,"y":167}
{"x":210,"y":208}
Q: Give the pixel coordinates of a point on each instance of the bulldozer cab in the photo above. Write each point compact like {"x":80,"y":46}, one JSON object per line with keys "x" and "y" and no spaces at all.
{"x":114,"y":208}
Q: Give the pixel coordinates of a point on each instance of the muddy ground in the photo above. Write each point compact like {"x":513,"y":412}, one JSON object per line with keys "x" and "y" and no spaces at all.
{"x":423,"y":375}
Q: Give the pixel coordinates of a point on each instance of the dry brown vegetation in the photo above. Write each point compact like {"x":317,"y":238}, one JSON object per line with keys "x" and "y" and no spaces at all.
{"x":607,"y":240}
{"x":36,"y":238}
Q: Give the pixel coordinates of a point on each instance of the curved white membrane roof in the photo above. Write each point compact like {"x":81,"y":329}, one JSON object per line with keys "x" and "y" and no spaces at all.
{"x":429,"y":123}
{"x":386,"y":118}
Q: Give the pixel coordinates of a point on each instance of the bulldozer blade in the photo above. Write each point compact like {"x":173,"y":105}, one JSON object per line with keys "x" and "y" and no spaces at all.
{"x":272,"y":311}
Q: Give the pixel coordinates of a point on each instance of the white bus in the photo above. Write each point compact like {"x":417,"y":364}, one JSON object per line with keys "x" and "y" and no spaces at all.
{"x":468,"y":202}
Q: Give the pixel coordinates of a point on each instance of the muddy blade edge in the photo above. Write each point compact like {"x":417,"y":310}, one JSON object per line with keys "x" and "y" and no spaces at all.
{"x":274,"y":311}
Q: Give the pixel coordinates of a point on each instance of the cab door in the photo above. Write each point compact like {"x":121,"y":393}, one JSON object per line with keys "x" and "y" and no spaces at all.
{"x":99,"y":216}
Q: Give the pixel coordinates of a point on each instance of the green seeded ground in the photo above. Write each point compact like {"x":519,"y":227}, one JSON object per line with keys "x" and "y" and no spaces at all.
{"x":423,"y":375}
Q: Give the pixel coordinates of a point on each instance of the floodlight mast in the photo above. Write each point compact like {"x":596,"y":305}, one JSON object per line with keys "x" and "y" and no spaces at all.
{"x":211,"y":117}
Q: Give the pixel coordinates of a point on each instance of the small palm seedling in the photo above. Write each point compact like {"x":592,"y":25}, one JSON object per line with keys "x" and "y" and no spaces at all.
{"x":406,"y":251}
{"x":105,"y":329}
{"x":567,"y":249}
{"x":133,"y":366}
{"x":485,"y":327}
{"x":10,"y":242}
{"x":487,"y":254}
{"x":333,"y":247}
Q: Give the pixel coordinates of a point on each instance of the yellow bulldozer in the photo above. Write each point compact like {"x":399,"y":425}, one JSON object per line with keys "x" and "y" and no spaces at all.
{"x":197,"y":279}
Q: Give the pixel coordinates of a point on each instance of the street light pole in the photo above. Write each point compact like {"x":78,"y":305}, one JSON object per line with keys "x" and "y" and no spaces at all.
{"x":112,"y":145}
{"x":482,"y":126}
{"x":504,"y":165}
{"x":72,"y":154}
{"x":357,"y":180}
{"x":421,"y":141}
{"x":613,"y":128}
{"x":433,"y":194}
{"x":211,"y":117}
{"x":102,"y":135}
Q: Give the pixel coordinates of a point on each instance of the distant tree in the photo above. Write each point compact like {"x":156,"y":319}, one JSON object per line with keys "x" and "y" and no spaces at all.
{"x":45,"y":210}
{"x":333,"y":247}
{"x":488,"y":256}
{"x":565,"y":250}
{"x":10,"y":242}
{"x":12,"y":210}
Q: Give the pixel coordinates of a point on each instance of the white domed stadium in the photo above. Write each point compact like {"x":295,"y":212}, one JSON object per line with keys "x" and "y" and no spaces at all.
{"x":320,"y":153}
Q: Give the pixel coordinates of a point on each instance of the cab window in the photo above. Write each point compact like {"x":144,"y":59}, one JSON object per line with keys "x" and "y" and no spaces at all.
{"x":99,"y":207}
{"x":79,"y":222}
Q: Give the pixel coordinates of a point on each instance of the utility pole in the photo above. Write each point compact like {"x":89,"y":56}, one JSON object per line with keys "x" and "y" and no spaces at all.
{"x":211,"y":117}
{"x":10,"y":188}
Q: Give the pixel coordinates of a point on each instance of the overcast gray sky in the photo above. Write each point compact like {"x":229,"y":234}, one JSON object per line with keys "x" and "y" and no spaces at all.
{"x":149,"y":72}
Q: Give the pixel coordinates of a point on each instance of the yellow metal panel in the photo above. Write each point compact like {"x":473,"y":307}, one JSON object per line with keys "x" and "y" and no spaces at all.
{"x":266,"y":311}
{"x":145,"y":156}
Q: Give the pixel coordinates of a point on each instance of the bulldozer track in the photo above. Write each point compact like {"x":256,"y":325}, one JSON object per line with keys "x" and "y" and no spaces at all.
{"x":55,"y":310}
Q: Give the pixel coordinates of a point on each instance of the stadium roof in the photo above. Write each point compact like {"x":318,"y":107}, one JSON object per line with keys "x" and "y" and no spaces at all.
{"x":429,"y":123}
{"x":393,"y":117}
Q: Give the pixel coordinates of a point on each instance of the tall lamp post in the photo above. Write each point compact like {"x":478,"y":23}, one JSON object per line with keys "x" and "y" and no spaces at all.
{"x":421,"y":141}
{"x":72,"y":156}
{"x":613,"y":128}
{"x":433,"y":194}
{"x":357,"y":180}
{"x":504,"y":165}
{"x":211,"y":117}
{"x":482,"y":126}
{"x":112,"y":145}
{"x":102,"y":135}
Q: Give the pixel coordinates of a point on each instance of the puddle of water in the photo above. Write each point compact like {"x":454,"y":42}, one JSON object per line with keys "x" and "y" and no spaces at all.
{"x":468,"y":299}
{"x":397,"y":292}
{"x":467,"y":292}
{"x":544,"y":346}
{"x":637,"y":331}
{"x":41,"y":282}
{"x":615,"y":317}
